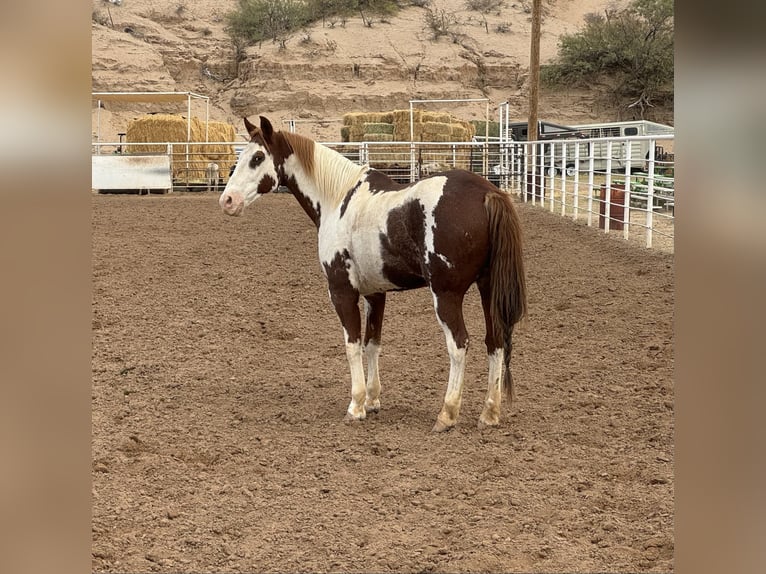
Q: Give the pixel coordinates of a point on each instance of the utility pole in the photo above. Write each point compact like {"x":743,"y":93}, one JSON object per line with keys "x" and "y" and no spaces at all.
{"x":534,"y":71}
{"x":532,"y":188}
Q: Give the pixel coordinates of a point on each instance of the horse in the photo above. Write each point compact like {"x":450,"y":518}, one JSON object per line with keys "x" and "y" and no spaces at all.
{"x":445,"y":232}
{"x":211,"y":175}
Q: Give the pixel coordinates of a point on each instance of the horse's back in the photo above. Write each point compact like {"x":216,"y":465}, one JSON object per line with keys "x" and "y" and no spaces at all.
{"x":409,"y":235}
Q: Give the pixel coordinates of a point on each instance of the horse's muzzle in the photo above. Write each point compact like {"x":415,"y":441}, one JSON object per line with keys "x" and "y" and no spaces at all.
{"x":232,"y":203}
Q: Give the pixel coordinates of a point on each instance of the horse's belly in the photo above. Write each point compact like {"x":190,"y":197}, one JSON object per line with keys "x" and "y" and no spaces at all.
{"x":369,"y":269}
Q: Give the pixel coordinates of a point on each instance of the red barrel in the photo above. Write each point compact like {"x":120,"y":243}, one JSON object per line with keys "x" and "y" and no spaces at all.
{"x":616,"y":207}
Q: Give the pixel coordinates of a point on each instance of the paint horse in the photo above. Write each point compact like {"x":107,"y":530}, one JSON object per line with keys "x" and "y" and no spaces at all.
{"x":445,"y":232}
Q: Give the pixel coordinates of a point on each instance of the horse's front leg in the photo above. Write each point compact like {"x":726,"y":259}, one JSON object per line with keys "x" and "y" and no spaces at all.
{"x":374,"y":306}
{"x":346,"y":303}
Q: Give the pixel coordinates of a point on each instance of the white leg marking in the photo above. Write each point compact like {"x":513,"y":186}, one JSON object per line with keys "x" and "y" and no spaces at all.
{"x":490,"y":415}
{"x":451,"y":408}
{"x":372,"y":402}
{"x":456,"y":371}
{"x":354,"y":355}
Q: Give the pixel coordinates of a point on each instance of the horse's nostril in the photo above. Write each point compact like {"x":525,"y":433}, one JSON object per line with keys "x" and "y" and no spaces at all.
{"x":228,"y":201}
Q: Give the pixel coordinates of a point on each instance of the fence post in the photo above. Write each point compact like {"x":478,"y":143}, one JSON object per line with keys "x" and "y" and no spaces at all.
{"x":626,"y":206}
{"x":552,"y":185}
{"x":563,"y":179}
{"x":608,"y":187}
{"x":541,"y":174}
{"x":650,"y":194}
{"x":591,"y":165}
{"x":575,"y":209}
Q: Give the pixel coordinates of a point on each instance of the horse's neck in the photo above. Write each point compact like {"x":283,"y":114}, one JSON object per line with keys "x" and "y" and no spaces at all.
{"x":334,"y":174}
{"x":324,"y":189}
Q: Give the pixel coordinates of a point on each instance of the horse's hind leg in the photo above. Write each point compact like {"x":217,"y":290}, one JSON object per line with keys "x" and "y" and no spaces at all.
{"x":449,"y":312}
{"x":490,"y":414}
{"x":374,"y":306}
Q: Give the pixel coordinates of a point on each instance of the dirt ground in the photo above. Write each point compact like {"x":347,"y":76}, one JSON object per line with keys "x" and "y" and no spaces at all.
{"x":220,"y":383}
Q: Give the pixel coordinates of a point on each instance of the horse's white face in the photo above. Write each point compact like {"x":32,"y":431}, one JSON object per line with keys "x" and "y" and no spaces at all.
{"x":254,"y":175}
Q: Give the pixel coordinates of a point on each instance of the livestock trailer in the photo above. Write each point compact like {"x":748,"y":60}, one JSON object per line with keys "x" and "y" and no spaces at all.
{"x":639,"y":149}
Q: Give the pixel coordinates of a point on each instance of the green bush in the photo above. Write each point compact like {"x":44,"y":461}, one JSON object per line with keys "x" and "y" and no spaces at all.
{"x":632,"y":46}
{"x":254,"y":21}
{"x":257,"y":20}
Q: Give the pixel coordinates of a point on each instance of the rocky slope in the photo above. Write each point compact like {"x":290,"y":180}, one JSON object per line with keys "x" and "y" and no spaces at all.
{"x":333,"y":68}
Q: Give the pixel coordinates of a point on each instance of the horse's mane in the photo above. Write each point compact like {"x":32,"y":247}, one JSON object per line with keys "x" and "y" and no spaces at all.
{"x":332,"y":173}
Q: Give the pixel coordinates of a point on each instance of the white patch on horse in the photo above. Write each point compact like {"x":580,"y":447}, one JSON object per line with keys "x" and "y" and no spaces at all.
{"x":304,"y":181}
{"x":243,"y":185}
{"x":430,"y":226}
{"x":363,"y":223}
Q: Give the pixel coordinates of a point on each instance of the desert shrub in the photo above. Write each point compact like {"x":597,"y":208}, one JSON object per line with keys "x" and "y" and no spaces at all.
{"x":485,"y":6}
{"x":632,"y":47}
{"x":254,"y":21}
{"x":440,"y":22}
{"x":257,"y":20}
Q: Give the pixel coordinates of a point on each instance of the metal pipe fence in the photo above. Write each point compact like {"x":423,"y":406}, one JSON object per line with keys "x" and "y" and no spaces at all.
{"x":625,"y":181}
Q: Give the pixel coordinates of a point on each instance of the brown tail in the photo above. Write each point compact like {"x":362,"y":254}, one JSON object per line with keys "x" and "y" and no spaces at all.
{"x":507,"y":279}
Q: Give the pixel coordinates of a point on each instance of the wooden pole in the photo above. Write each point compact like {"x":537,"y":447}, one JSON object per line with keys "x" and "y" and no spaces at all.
{"x":534,"y":71}
{"x":534,"y":89}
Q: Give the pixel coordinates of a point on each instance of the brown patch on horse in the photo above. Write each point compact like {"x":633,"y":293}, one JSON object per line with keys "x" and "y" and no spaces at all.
{"x":282,"y":146}
{"x":266,"y":185}
{"x":380,"y":182}
{"x":302,"y":147}
{"x":343,"y":295}
{"x":402,"y":246}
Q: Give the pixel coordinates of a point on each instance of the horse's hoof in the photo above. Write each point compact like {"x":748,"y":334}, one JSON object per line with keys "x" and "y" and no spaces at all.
{"x":441,"y":427}
{"x":350,"y":419}
{"x":485,"y":425}
{"x":374,"y":408}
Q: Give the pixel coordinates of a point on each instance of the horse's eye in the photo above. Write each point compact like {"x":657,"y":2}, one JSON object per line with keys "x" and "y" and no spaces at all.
{"x":256,"y":159}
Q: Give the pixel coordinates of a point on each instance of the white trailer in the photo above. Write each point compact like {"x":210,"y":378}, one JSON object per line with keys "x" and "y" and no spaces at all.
{"x":639,"y":149}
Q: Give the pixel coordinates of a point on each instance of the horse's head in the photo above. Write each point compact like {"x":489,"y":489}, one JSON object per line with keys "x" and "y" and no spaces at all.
{"x":256,"y":172}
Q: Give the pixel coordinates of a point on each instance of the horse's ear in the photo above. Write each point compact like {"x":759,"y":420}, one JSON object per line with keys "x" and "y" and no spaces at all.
{"x":267,"y":129}
{"x":251,"y":129}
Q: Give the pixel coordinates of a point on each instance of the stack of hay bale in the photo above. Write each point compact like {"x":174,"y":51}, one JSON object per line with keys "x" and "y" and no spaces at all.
{"x":395,"y":127}
{"x":427,"y":127}
{"x":152,"y":128}
{"x":480,"y":126}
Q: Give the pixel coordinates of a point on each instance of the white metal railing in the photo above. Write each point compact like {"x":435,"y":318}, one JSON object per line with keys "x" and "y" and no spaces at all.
{"x":627,"y":181}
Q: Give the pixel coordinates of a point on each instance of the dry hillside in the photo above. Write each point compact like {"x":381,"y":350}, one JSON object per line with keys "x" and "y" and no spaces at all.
{"x":328,"y":70}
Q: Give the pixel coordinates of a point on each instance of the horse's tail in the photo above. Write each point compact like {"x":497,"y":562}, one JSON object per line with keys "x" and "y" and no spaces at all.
{"x":508,"y":287}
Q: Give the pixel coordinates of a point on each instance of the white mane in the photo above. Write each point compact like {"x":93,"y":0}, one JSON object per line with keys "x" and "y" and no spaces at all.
{"x":332,"y":174}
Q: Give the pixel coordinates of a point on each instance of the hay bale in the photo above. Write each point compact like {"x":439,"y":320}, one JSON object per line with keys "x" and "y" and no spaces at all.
{"x":172,"y":128}
{"x":435,"y":128}
{"x":223,"y":155}
{"x":345,"y":133}
{"x":377,"y":137}
{"x":481,"y":125}
{"x":459,"y":133}
{"x":356,"y":118}
{"x":356,"y":133}
{"x":439,"y":117}
{"x":160,"y":128}
{"x":349,"y":118}
{"x":378,"y":128}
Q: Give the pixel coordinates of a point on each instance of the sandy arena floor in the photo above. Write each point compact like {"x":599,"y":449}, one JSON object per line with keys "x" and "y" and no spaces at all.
{"x":220,"y":383}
